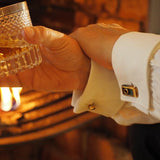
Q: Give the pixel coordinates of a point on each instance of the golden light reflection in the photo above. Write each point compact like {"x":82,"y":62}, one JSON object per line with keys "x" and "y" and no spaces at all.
{"x":10,"y":98}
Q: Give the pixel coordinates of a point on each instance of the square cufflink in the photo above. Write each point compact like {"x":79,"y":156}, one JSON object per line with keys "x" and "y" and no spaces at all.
{"x":130,"y":90}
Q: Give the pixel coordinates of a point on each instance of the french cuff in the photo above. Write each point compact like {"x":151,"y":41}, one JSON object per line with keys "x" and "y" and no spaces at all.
{"x":131,"y":55}
{"x":101,"y":94}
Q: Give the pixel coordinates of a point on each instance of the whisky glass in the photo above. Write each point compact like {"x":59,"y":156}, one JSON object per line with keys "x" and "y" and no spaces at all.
{"x":15,"y":53}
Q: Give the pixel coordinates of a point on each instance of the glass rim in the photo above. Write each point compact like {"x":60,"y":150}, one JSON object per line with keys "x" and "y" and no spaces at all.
{"x":13,"y":8}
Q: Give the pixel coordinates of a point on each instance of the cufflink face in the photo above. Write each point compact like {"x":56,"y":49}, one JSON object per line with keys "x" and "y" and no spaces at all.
{"x":91,"y":106}
{"x":130,"y":90}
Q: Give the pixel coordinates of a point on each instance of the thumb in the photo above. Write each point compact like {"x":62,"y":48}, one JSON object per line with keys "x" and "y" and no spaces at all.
{"x":41,"y":35}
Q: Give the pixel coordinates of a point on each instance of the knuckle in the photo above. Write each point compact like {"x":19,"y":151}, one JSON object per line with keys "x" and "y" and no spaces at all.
{"x":40,"y":30}
{"x":79,"y":30}
{"x":91,"y":25}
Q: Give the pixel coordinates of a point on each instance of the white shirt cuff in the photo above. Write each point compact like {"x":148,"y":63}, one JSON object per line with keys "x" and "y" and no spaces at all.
{"x":136,"y":62}
{"x":131,"y":55}
{"x":101,"y":94}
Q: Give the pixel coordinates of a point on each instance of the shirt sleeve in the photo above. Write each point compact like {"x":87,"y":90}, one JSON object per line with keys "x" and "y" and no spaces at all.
{"x":101,"y":94}
{"x":131,"y":57}
{"x":126,"y":95}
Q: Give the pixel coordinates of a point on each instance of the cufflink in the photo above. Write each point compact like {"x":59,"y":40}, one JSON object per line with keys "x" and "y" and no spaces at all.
{"x":130,"y":90}
{"x":91,"y":106}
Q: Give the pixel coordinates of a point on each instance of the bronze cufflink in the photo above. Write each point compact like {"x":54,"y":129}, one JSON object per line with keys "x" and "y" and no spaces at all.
{"x":130,"y":90}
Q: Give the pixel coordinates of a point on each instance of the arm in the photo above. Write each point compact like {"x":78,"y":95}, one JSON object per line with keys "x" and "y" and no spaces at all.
{"x":129,"y":54}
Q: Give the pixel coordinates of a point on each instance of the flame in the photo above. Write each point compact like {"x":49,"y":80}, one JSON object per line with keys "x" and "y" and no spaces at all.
{"x":10,"y":98}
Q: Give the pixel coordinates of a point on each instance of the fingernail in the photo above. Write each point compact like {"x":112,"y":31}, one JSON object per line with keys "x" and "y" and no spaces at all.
{"x":28,"y":32}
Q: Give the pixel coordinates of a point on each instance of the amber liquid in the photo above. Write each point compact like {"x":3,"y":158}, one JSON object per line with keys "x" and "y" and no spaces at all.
{"x":6,"y":53}
{"x":11,"y":47}
{"x":17,"y":55}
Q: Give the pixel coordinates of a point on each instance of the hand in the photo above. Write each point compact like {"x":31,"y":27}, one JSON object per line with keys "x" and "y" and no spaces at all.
{"x":64,"y":67}
{"x":97,"y":41}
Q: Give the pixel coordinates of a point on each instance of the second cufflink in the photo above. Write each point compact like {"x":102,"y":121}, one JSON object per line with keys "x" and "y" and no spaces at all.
{"x":130,"y":90}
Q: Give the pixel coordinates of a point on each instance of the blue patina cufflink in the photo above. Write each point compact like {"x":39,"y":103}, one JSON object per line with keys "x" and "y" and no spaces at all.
{"x":130,"y":90}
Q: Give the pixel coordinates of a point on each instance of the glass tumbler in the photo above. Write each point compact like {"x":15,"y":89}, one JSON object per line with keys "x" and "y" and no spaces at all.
{"x":15,"y":53}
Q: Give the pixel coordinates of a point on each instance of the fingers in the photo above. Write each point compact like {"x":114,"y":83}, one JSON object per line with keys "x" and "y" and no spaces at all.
{"x":41,"y":35}
{"x":78,"y":33}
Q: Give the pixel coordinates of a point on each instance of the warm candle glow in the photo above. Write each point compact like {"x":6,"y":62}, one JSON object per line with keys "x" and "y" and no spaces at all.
{"x":10,"y":98}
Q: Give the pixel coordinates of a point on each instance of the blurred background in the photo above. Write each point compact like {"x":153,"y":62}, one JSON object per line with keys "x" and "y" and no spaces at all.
{"x":102,"y":138}
{"x":66,"y":15}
